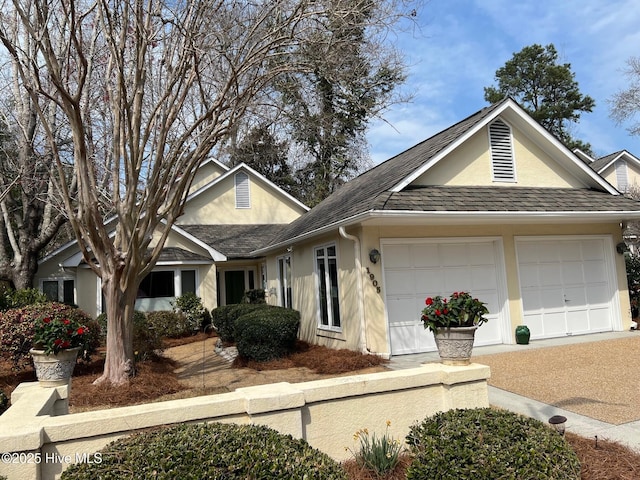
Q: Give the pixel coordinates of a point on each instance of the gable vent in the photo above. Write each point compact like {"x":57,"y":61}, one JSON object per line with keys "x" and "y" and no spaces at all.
{"x":621,"y":175}
{"x":501,"y":152}
{"x":242,"y":190}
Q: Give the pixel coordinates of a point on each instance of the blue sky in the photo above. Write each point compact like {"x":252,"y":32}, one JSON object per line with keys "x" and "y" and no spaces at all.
{"x":459,"y":44}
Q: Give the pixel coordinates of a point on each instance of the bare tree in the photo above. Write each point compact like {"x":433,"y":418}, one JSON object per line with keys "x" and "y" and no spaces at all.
{"x":148,"y":89}
{"x":625,"y":104}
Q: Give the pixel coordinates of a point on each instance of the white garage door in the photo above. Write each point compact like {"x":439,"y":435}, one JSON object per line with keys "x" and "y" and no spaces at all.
{"x":566,"y":285}
{"x":415,"y":270}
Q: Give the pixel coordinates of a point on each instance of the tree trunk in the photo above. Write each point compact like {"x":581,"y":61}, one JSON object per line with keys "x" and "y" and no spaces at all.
{"x":120,"y":300}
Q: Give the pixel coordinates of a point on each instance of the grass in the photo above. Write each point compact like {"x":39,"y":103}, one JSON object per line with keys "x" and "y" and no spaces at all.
{"x":601,"y":460}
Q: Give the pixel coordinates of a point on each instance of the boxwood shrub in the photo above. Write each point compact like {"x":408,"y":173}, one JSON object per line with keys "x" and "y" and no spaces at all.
{"x":487,"y":444}
{"x":224,"y":318}
{"x":266,"y":334}
{"x":214,"y":450}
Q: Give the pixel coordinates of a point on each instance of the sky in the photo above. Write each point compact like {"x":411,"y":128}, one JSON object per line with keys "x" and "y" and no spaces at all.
{"x":456,"y":47}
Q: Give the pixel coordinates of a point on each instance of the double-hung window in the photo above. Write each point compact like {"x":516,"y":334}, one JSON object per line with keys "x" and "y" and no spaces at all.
{"x":327,"y":284}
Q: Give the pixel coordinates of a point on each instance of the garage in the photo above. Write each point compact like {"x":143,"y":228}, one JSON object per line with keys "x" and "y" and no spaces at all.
{"x":567,"y":285}
{"x":418,"y":268}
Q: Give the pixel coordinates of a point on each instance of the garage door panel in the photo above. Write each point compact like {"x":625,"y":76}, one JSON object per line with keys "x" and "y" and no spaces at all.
{"x":437,"y":268}
{"x":573,"y":293}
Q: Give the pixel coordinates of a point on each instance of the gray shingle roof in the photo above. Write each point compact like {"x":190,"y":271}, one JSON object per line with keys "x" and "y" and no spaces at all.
{"x":600,"y":163}
{"x":234,"y":241}
{"x":369,"y":190}
{"x":173,"y":254}
{"x":507,"y":199}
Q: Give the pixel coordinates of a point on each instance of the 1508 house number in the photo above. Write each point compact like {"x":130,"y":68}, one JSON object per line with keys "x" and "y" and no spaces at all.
{"x":374,"y":282}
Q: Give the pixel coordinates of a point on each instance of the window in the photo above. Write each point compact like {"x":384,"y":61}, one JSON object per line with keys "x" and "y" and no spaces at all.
{"x":327,"y":281}
{"x":621,"y":175}
{"x":501,"y":152}
{"x":243,"y":199}
{"x":60,"y":290}
{"x":157,"y":284}
{"x":284,"y":281}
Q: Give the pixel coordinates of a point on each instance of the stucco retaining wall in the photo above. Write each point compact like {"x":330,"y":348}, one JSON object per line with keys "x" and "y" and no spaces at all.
{"x":38,"y":439}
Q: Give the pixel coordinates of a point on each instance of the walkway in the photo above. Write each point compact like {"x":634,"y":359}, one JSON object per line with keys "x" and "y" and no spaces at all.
{"x":628,"y":434}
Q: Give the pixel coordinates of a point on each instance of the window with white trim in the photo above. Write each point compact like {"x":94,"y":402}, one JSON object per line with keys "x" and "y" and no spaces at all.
{"x":285,"y":294}
{"x":243,"y":198}
{"x":59,"y":290}
{"x":326,"y":270}
{"x":502,"y":160}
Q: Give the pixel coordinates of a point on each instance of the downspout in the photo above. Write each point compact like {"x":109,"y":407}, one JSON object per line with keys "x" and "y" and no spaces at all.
{"x":359,"y":286}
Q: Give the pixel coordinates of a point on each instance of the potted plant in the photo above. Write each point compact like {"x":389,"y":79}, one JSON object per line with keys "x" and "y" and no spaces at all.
{"x":56,"y":344}
{"x":454,"y":322}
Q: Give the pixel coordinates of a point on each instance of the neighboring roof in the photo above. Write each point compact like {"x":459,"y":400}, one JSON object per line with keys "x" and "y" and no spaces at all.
{"x":234,"y":241}
{"x":177,"y":255}
{"x":601,"y":164}
{"x":368,"y":192}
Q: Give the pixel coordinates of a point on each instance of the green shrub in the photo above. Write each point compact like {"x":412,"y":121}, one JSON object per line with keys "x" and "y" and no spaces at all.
{"x":224,"y":318}
{"x":169,"y":324}
{"x":21,"y":298}
{"x":267,"y":333}
{"x":254,"y":296}
{"x":487,"y":444}
{"x":4,"y":402}
{"x":17,"y":329}
{"x":146,"y":340}
{"x":191,"y":306}
{"x":215,"y":451}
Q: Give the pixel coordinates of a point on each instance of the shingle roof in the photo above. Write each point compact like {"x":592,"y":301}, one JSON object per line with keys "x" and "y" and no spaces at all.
{"x":507,"y":199}
{"x":173,"y":254}
{"x":234,"y":241}
{"x":602,"y":162}
{"x":369,"y":190}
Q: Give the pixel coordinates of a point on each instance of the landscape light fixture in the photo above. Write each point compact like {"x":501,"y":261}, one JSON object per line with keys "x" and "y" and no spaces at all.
{"x":374,"y":256}
{"x":558,"y":423}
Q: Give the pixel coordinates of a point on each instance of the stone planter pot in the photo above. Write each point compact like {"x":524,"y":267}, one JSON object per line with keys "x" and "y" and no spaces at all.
{"x":455,"y":344}
{"x":54,"y":370}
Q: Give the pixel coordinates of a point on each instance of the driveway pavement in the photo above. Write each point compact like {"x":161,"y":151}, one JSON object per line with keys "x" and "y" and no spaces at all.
{"x":628,"y":433}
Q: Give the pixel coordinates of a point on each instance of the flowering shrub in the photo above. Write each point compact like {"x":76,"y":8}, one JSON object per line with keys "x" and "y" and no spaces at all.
{"x":459,"y":310}
{"x":18,"y":329}
{"x":55,"y":334}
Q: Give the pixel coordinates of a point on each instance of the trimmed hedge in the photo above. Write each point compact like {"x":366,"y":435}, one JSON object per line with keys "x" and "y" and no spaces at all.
{"x":209,"y":450}
{"x":224,"y":318}
{"x":17,"y":329}
{"x":268,"y":333}
{"x":169,"y":324}
{"x":487,"y":444}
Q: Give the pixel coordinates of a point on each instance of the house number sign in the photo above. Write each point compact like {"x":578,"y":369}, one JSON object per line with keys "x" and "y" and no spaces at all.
{"x":374,"y":282}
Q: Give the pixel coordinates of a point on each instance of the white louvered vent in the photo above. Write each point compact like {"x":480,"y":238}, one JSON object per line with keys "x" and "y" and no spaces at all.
{"x":501,"y":152}
{"x":621,"y":175}
{"x":243,"y":199}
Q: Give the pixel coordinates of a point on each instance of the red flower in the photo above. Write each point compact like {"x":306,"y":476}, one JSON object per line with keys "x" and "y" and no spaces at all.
{"x":66,"y":344}
{"x":57,"y":342}
{"x":429,"y":301}
{"x":66,"y":322}
{"x":46,"y":320}
{"x":80,"y":331}
{"x":445,"y":311}
{"x":438,"y":312}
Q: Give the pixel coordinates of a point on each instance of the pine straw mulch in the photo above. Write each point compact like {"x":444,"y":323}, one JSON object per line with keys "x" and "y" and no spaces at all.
{"x":156,"y":378}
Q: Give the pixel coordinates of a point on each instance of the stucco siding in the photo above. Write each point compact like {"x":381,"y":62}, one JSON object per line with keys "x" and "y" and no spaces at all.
{"x":470,"y":164}
{"x":266,"y":207}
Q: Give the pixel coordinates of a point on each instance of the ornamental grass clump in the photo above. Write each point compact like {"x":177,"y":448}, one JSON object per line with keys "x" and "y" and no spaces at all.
{"x":461,"y":309}
{"x":379,"y":454}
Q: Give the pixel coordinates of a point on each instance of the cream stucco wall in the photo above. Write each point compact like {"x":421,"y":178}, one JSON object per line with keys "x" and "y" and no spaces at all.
{"x":470,"y":164}
{"x":633,"y":175}
{"x":377,"y":341}
{"x":205,"y":174}
{"x":266,"y":206}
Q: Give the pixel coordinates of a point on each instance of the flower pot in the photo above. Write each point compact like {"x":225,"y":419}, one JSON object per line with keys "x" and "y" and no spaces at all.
{"x":54,"y":370}
{"x":455,"y":344}
{"x":522,"y":335}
